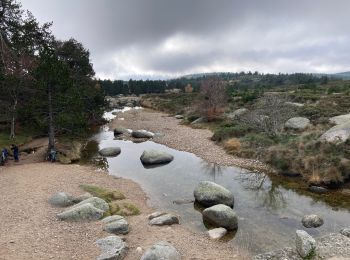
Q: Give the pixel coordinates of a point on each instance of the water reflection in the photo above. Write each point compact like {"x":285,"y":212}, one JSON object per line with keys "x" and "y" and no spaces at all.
{"x":268,"y":212}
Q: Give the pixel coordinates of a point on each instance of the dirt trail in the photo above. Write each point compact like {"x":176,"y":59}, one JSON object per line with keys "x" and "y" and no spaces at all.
{"x":30,"y":230}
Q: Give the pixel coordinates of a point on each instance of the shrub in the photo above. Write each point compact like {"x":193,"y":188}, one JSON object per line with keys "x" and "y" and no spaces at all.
{"x":103,"y":193}
{"x":225,"y":133}
{"x":233,"y":145}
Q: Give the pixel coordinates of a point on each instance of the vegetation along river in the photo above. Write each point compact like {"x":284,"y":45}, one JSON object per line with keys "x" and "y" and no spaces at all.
{"x":269,"y":212}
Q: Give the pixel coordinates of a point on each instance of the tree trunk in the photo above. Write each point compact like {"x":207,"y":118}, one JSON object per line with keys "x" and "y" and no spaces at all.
{"x":51,"y":123}
{"x":13,"y":119}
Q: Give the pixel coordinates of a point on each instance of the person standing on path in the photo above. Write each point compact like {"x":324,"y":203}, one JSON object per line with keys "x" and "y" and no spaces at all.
{"x":15,"y":150}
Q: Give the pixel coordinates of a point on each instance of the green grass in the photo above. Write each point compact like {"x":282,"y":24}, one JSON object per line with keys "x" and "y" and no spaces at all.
{"x":103,"y":193}
{"x":123,"y":209}
{"x":6,"y":141}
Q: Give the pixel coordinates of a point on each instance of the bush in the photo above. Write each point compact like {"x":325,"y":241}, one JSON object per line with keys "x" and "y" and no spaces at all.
{"x":233,"y":145}
{"x":103,"y":193}
{"x":225,"y":133}
{"x":256,"y":140}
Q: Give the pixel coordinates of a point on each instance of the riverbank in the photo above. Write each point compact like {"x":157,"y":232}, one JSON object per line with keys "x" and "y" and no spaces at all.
{"x":183,"y":138}
{"x":30,"y":229}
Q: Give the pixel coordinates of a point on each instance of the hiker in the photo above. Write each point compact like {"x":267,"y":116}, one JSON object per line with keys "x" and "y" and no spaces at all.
{"x":14,"y":148}
{"x":3,"y":156}
{"x":52,"y":155}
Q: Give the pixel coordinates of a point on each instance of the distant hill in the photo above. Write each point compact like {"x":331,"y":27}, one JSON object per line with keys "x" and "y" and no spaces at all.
{"x":343,"y":75}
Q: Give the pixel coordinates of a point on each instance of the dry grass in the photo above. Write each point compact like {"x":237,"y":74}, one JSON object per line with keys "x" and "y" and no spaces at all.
{"x":103,"y":193}
{"x":232,"y":145}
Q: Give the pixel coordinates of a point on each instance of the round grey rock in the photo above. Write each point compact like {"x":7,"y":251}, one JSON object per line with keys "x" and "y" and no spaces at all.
{"x":112,"y":247}
{"x":141,"y":134}
{"x":80,"y":213}
{"x":117,"y":226}
{"x":208,"y":193}
{"x":312,"y":221}
{"x":155,"y":157}
{"x":110,"y":151}
{"x":96,"y":202}
{"x":61,"y":199}
{"x":297,"y":123}
{"x":305,"y":244}
{"x":161,"y":251}
{"x":221,"y":216}
{"x":166,"y":219}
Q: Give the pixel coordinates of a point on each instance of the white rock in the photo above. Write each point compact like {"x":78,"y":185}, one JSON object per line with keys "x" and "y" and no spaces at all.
{"x":305,"y":244}
{"x":217,"y":233}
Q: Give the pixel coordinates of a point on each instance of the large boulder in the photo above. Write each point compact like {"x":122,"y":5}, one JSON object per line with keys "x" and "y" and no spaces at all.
{"x":155,"y":157}
{"x":80,"y":213}
{"x":237,"y":113}
{"x":312,"y":221}
{"x":110,"y":151}
{"x":305,"y":244}
{"x":339,"y":120}
{"x":116,"y":224}
{"x":208,"y":193}
{"x":61,"y":199}
{"x":161,"y":251}
{"x":297,"y":123}
{"x":339,"y":133}
{"x":96,"y":202}
{"x":221,"y":216}
{"x":142,"y":134}
{"x":112,"y":247}
{"x":166,"y":219}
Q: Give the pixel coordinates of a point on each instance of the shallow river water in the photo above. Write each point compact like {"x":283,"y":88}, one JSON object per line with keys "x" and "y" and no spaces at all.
{"x":268,"y":212}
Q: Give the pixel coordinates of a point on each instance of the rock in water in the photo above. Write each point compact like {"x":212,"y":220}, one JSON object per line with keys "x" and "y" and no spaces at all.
{"x":116,"y":224}
{"x":61,"y":199}
{"x":217,"y":233}
{"x":221,"y":216}
{"x":305,"y":244}
{"x":112,"y":247}
{"x":297,"y":123}
{"x":161,"y":251}
{"x":155,"y":157}
{"x":119,"y":130}
{"x":208,"y":193}
{"x":141,"y":134}
{"x":110,"y":151}
{"x":317,"y":189}
{"x":345,"y":232}
{"x":312,"y":221}
{"x":96,"y":202}
{"x":82,"y":212}
{"x":167,"y":219}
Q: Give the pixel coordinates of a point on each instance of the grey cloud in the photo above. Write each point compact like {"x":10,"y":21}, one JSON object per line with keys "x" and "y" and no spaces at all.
{"x":128,"y":37}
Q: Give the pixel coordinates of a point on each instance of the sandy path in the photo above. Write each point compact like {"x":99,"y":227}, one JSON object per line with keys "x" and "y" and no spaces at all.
{"x":183,"y":137}
{"x":30,"y":230}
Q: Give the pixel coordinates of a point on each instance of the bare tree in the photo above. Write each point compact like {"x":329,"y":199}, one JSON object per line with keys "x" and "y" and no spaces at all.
{"x":213,"y":98}
{"x":269,"y":116}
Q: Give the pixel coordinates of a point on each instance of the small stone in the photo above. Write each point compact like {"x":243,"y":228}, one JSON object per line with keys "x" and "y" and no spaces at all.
{"x":61,"y":199}
{"x":139,"y":250}
{"x":161,"y":251}
{"x":217,"y":233}
{"x":167,"y":219}
{"x":345,"y":232}
{"x":112,"y":247}
{"x":312,"y":221}
{"x":117,"y":226}
{"x":305,"y":244}
{"x":156,"y":214}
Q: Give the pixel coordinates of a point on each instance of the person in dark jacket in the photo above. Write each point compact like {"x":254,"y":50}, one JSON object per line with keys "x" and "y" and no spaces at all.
{"x":15,"y":150}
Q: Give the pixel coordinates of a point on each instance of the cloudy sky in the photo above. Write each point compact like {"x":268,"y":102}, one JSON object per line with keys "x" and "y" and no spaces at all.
{"x":168,"y":38}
